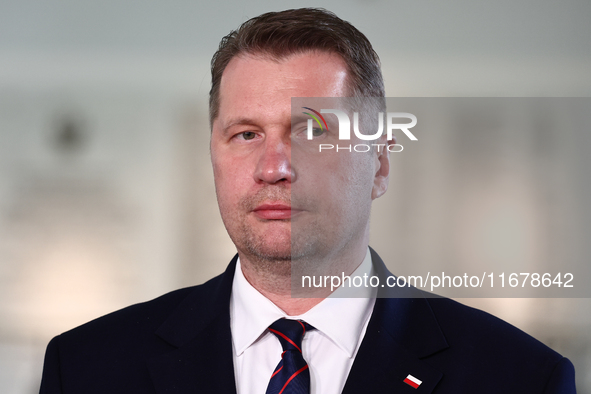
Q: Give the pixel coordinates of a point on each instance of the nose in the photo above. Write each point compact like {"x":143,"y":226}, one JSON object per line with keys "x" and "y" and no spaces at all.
{"x":274,"y":163}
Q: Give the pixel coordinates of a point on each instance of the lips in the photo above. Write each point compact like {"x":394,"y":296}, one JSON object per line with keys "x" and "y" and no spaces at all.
{"x":274,"y":211}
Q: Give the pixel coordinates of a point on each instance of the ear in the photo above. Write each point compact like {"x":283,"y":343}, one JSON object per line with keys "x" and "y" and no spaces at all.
{"x":382,"y":168}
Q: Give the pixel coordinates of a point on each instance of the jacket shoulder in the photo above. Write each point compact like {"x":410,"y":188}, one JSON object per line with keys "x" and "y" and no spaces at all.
{"x":482,"y":345}
{"x":460,"y":322}
{"x":109,"y":354}
{"x":141,"y":317}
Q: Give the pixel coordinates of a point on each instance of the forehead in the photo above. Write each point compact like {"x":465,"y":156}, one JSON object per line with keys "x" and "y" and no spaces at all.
{"x":259,"y":84}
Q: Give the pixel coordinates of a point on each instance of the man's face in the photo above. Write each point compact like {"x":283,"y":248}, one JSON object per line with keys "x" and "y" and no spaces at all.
{"x":273,"y":208}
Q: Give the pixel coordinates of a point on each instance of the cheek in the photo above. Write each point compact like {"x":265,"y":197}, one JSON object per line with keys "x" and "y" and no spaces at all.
{"x":340,"y":182}
{"x":231,"y":181}
{"x":358,"y":179}
{"x":222,"y":176}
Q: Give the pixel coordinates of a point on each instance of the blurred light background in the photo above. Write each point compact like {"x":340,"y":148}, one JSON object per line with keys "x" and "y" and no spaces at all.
{"x":106,"y":191}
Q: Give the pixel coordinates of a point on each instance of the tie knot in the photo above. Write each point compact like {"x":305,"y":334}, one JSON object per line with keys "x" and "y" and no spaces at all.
{"x":290,"y":333}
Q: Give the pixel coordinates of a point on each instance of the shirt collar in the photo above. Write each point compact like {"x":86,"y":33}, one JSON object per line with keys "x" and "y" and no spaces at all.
{"x":342,"y":320}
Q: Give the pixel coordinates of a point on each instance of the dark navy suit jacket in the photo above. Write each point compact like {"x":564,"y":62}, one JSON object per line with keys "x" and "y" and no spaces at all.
{"x":181,"y":343}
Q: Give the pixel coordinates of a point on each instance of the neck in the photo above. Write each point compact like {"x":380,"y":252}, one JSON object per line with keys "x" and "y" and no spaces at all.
{"x":275,"y":285}
{"x":273,"y":279}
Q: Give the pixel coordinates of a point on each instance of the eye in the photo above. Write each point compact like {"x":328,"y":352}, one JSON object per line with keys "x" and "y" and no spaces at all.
{"x":248,"y":135}
{"x":316,"y":131}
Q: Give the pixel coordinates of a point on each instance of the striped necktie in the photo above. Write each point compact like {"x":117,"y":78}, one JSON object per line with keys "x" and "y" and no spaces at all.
{"x":291,"y":375}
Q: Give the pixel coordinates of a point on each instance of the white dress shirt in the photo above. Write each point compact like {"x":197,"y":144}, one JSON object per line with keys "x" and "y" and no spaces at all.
{"x":329,"y":350}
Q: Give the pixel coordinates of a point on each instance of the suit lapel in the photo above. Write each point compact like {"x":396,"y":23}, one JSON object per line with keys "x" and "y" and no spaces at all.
{"x":400,"y":334}
{"x":199,"y":332}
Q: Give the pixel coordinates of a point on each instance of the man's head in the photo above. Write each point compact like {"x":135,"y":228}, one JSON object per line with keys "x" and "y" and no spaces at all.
{"x":279,"y":200}
{"x":278,"y":35}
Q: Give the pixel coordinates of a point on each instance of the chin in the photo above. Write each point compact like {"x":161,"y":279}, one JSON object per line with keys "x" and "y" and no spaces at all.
{"x":262,"y":249}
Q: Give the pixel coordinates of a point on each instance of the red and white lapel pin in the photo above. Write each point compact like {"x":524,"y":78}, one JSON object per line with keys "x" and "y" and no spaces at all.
{"x":412,"y":381}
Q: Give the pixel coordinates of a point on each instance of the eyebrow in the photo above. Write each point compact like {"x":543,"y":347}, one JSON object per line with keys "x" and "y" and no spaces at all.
{"x":238,"y":122}
{"x":296,"y":118}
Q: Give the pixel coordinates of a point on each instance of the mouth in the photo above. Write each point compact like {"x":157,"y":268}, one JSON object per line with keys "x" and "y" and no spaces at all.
{"x":275,"y":211}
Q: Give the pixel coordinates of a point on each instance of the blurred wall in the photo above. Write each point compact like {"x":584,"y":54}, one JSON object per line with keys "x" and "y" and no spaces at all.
{"x":106,"y":191}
